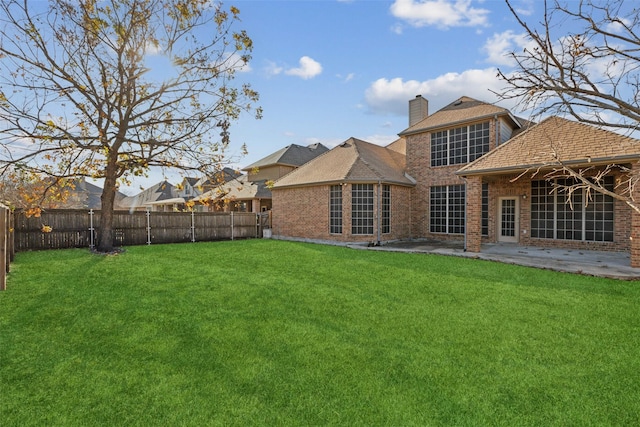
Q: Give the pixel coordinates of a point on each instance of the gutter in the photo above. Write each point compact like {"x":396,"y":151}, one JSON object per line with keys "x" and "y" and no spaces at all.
{"x":517,"y":169}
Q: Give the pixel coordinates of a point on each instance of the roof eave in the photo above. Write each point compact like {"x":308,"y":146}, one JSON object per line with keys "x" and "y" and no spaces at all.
{"x":459,"y":122}
{"x":346,"y":181}
{"x":521,"y":168}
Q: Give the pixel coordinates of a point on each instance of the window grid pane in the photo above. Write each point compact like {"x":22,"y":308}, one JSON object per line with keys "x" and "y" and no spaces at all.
{"x":508,"y":215}
{"x":386,"y":209}
{"x":568,"y":214}
{"x":439,"y":151}
{"x":447,"y":209}
{"x":458,"y":145}
{"x":456,"y":209}
{"x":438,"y":207}
{"x":362,"y":209}
{"x":599,"y":215}
{"x":542,"y":210}
{"x":553,"y":217}
{"x":478,"y":140}
{"x":335,"y":209}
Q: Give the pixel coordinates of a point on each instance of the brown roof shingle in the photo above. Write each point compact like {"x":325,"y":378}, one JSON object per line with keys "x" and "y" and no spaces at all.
{"x":551,"y":140}
{"x":352,"y":161}
{"x":462,"y":110}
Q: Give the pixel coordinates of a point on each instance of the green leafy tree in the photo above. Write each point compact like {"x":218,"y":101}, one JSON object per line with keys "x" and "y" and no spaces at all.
{"x":82,"y":94}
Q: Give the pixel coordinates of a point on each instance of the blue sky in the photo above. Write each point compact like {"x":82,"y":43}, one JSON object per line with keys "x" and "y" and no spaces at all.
{"x":328,"y":70}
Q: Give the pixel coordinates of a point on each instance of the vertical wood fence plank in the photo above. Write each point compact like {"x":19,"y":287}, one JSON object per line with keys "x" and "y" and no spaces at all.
{"x":78,"y":228}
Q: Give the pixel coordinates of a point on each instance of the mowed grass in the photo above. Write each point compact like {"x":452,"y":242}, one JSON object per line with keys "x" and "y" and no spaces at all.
{"x":275,"y":333}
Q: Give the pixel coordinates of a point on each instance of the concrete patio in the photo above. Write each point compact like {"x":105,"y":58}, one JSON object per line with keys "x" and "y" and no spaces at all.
{"x":614,"y":265}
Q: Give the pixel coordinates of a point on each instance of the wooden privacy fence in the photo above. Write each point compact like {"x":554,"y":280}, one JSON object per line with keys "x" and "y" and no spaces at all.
{"x":58,"y":229}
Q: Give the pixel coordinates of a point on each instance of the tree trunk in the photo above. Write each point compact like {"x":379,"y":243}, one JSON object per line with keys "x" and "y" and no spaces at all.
{"x":105,"y":238}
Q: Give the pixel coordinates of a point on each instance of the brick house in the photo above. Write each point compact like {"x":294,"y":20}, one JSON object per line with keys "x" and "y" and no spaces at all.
{"x":356,"y":192}
{"x":474,"y":173}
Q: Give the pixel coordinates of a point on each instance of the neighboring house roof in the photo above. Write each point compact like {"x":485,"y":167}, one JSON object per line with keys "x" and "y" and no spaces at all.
{"x":462,"y":110}
{"x":224,"y":175}
{"x":239,"y":189}
{"x":555,"y":138}
{"x":191,"y":180}
{"x":352,"y":161}
{"x":291,"y":155}
{"x":160,"y":191}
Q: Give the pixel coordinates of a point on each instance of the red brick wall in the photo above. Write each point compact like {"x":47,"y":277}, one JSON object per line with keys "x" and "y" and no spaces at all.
{"x":634,"y":221}
{"x":506,"y":186}
{"x":303,"y":212}
{"x":419,"y":167}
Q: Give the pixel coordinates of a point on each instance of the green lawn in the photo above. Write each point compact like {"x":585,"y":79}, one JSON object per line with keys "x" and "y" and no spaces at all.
{"x":274,"y":333}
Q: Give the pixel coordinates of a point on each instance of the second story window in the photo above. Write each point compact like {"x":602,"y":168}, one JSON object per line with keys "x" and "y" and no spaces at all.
{"x":459,"y":145}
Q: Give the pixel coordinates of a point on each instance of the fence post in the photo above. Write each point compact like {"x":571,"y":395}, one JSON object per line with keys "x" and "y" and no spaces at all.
{"x":4,"y":231}
{"x":148,"y":227}
{"x":91,"y":229}
{"x":193,"y":227}
{"x":231,"y":225}
{"x":9,"y":255}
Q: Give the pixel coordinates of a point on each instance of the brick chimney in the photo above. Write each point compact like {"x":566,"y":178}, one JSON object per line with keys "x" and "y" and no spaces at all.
{"x":418,"y":109}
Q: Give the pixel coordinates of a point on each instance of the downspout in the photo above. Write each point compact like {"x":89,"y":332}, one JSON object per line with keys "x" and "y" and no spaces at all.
{"x":379,"y":212}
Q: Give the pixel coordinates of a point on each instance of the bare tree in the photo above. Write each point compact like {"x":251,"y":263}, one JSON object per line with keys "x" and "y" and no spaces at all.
{"x":590,"y":73}
{"x":110,"y":89}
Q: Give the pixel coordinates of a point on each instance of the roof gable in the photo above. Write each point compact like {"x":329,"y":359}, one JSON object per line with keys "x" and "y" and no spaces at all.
{"x":462,"y":110}
{"x":555,"y":139}
{"x":239,"y":188}
{"x":291,"y":155}
{"x":352,"y":161}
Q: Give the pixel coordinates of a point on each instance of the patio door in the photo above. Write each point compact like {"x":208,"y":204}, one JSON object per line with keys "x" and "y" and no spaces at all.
{"x":508,"y":227}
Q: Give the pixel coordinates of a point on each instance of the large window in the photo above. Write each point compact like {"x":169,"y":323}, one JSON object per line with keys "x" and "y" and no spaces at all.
{"x":556,"y":216}
{"x":386,"y":209}
{"x":447,"y":209}
{"x":459,"y":145}
{"x":362,"y":209}
{"x":335,"y":209}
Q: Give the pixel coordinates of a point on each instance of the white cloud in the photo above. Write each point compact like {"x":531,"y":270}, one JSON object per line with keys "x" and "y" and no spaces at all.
{"x":308,"y":69}
{"x":273,"y":69}
{"x":380,"y":139}
{"x":525,"y":8}
{"x":346,"y":78}
{"x":440,"y":13}
{"x":618,"y":27}
{"x":500,"y":45}
{"x":391,"y":96}
{"x":235,"y":61}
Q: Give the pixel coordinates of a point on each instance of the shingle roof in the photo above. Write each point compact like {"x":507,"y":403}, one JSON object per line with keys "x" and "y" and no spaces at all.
{"x":570,"y":141}
{"x":160,"y":191}
{"x":462,"y":110}
{"x":399,"y":145}
{"x":239,"y":188}
{"x":352,"y":161}
{"x":291,"y":155}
